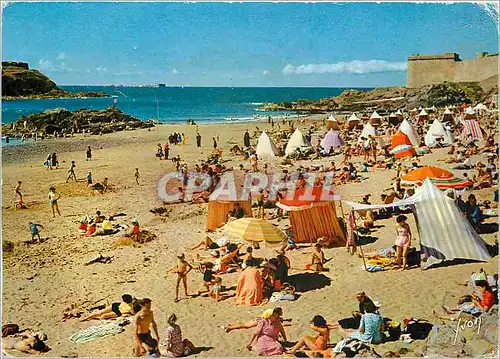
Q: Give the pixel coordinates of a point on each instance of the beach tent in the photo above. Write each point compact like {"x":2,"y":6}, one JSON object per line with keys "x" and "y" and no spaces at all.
{"x":312,"y":218}
{"x":332,"y":123}
{"x":447,"y":115}
{"x":445,"y":234}
{"x":472,"y":129}
{"x":297,"y":140}
{"x":423,"y":115}
{"x":469,"y":113}
{"x":437,"y":130}
{"x":375,"y":118}
{"x":266,"y":147}
{"x":331,"y":139}
{"x":408,"y":130}
{"x":352,"y":121}
{"x":413,"y":111}
{"x":399,"y":113}
{"x":401,"y":146}
{"x":369,"y":130}
{"x":480,"y":107}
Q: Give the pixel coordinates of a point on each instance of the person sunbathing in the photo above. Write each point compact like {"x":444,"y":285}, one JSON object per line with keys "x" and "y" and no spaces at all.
{"x":206,"y":244}
{"x":380,"y":253}
{"x":318,"y":260}
{"x":31,"y":344}
{"x":253,"y":323}
{"x":127,"y":307}
{"x":484,"y":179}
{"x":479,"y":304}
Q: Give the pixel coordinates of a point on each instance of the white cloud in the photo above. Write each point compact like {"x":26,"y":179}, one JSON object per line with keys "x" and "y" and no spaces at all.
{"x":174,"y":71}
{"x":62,"y":56}
{"x":266,"y":72}
{"x":101,"y":69}
{"x":46,"y":65}
{"x":49,"y":66}
{"x":351,"y":67}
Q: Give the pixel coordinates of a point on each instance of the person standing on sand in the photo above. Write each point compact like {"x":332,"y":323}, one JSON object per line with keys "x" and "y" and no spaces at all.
{"x":53,"y":198}
{"x":246,"y":139}
{"x":181,"y":269}
{"x":198,"y":140}
{"x":89,"y":154}
{"x":166,"y":150}
{"x":71,"y":172}
{"x":144,"y":320}
{"x":215,"y":142}
{"x":136,"y":175}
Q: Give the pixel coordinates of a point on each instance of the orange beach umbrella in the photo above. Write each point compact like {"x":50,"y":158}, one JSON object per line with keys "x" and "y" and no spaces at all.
{"x":420,"y":174}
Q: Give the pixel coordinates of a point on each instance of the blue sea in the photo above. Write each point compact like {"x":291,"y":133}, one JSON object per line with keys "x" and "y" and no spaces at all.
{"x":174,"y":104}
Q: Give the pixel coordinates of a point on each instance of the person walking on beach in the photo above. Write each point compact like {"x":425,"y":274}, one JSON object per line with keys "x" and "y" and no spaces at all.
{"x":136,"y":175}
{"x":198,"y":140}
{"x":53,"y":198}
{"x":71,"y":172}
{"x":18,"y":190}
{"x":215,"y":142}
{"x":246,"y":139}
{"x":89,"y":154}
{"x":144,"y":321}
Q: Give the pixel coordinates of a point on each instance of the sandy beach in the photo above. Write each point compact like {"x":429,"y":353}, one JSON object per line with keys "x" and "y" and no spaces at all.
{"x":41,"y":280}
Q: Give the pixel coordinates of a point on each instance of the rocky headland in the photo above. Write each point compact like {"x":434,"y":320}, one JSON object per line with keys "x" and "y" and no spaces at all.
{"x":392,"y":98}
{"x":21,"y":82}
{"x":61,"y":121}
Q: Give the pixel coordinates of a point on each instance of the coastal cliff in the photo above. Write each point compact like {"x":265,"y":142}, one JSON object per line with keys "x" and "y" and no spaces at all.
{"x":61,"y":121}
{"x":390,"y":98}
{"x":21,"y":82}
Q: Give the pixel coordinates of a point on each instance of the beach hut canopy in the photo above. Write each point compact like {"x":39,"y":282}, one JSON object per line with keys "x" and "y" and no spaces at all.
{"x":423,"y":113}
{"x":266,"y":147}
{"x":447,"y":111}
{"x":401,"y":146}
{"x":399,"y":113}
{"x":353,"y":118}
{"x":375,"y":116}
{"x":469,"y":111}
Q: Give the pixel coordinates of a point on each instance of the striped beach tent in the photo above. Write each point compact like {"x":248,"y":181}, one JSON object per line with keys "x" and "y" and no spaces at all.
{"x":401,"y":146}
{"x":472,"y":129}
{"x":445,"y":234}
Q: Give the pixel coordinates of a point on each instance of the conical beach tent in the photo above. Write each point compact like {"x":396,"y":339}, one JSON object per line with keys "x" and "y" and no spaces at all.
{"x":375,"y":118}
{"x":332,"y":124}
{"x":408,"y":130}
{"x":447,"y":115}
{"x":437,"y":130}
{"x":352,"y":121}
{"x":445,"y":234}
{"x":423,"y":115}
{"x":401,"y":146}
{"x":297,"y":140}
{"x":369,"y":130}
{"x":331,"y":139}
{"x":265,"y":147}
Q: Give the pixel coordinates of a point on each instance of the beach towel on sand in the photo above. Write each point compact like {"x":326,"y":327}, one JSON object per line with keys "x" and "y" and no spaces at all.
{"x":99,"y":331}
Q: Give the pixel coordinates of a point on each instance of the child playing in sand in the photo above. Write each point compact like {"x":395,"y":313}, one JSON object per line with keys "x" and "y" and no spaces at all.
{"x":89,"y":179}
{"x":136,"y":231}
{"x":53,"y":198}
{"x":136,"y":175}
{"x":71,"y":172}
{"x":182,"y":269}
{"x":34,"y":231}
{"x":207,"y":269}
{"x":216,"y":290}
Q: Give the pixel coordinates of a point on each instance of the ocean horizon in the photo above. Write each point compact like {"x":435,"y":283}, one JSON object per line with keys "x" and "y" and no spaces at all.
{"x":176,"y":104}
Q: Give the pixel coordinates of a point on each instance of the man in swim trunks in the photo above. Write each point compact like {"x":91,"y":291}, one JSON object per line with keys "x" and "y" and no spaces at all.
{"x":182,"y":269}
{"x":144,"y":320}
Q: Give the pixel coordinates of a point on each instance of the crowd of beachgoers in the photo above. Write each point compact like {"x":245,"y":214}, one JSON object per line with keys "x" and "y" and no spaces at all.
{"x":327,"y":154}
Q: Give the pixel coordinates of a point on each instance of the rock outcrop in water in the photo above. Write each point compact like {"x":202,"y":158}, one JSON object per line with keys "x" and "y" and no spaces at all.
{"x":21,"y":82}
{"x":62,"y":121}
{"x":391,"y":98}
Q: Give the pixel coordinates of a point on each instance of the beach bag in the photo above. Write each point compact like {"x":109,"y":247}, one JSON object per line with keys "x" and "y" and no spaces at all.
{"x":417,"y":328}
{"x":9,"y":329}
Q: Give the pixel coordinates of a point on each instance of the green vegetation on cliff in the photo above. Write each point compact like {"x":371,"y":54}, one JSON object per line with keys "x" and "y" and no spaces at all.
{"x":391,"y":98}
{"x":21,"y":82}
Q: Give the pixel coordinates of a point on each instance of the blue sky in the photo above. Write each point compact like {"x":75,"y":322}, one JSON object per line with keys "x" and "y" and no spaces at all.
{"x":250,"y":44}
